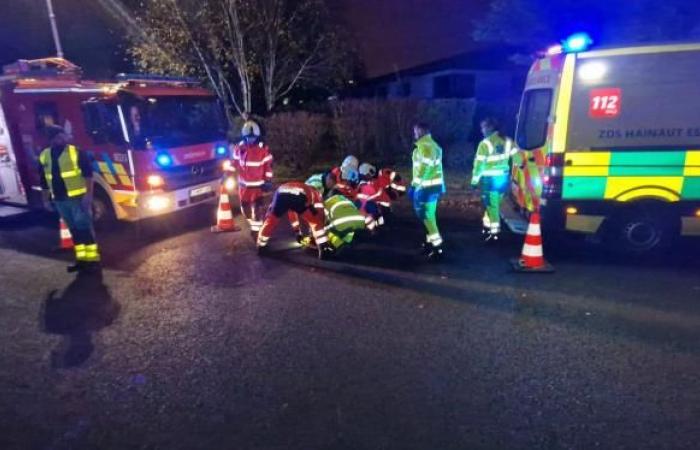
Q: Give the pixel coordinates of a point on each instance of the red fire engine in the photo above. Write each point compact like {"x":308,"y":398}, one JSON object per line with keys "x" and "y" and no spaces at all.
{"x":157,"y":142}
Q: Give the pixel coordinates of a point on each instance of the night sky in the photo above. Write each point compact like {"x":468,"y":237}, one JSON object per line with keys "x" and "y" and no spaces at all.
{"x":389,"y":34}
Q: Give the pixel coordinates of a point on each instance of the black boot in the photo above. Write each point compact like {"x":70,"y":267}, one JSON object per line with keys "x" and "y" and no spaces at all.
{"x":79,"y":266}
{"x":435,"y":253}
{"x":325,"y":252}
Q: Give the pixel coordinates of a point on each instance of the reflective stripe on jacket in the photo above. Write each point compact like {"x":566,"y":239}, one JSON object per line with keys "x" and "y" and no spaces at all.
{"x":70,"y":170}
{"x":253,"y":163}
{"x":427,"y":165}
{"x":343,"y":216}
{"x":493,"y":157}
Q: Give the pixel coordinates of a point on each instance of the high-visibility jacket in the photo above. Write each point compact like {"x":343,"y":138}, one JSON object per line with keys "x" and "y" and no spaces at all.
{"x":253,"y":162}
{"x":70,"y":170}
{"x":316,"y":181}
{"x":342,"y":216}
{"x":427,"y":166}
{"x":493,"y":157}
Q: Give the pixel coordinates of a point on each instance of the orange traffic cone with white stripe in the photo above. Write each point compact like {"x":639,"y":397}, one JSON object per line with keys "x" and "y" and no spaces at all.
{"x":224,"y":214}
{"x":532,"y":258}
{"x":66,"y":240}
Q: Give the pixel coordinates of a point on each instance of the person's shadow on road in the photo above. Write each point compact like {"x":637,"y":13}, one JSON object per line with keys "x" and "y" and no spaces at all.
{"x":82,"y":309}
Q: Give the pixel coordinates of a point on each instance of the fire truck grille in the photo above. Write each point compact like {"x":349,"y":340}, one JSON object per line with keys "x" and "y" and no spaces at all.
{"x":190,"y":175}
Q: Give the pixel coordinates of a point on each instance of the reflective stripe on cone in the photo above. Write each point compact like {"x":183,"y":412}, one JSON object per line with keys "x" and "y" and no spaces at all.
{"x":224,"y":215}
{"x":532,"y":257}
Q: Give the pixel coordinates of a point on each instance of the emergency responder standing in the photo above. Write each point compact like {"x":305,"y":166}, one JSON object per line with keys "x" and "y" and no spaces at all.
{"x":67,"y":174}
{"x":252,"y":161}
{"x":427,"y":187}
{"x":492,"y":173}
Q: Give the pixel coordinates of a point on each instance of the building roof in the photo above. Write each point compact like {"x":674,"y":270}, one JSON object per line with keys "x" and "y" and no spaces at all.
{"x":492,"y":58}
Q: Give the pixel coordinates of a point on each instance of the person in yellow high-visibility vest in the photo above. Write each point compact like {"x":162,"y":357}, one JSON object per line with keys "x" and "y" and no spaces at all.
{"x":427,"y":187}
{"x":492,"y":174}
{"x":67,"y":174}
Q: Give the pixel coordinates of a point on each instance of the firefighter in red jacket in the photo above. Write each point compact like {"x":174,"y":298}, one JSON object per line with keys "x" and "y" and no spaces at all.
{"x":252,"y":162}
{"x":389,"y":186}
{"x":299,"y":202}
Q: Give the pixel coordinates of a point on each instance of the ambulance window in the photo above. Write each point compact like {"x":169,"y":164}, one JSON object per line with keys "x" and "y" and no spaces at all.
{"x":534,"y":119}
{"x":45,"y":114}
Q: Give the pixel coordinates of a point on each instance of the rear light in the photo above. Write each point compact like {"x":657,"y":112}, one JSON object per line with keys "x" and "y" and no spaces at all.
{"x":552,"y":176}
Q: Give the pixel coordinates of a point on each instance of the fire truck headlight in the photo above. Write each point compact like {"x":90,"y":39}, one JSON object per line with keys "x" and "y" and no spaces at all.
{"x":157,"y":203}
{"x":155,"y":181}
{"x":697,"y":213}
{"x":221,"y":150}
{"x":230,"y":184}
{"x":227,"y":166}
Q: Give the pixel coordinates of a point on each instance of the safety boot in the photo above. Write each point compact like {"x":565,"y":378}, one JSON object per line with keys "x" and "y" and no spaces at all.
{"x":79,"y":266}
{"x":325,"y":252}
{"x":435,"y":253}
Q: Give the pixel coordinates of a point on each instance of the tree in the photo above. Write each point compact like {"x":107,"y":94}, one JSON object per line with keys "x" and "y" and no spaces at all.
{"x":535,"y":24}
{"x":240,"y":45}
{"x":298,"y":45}
{"x":197,"y":39}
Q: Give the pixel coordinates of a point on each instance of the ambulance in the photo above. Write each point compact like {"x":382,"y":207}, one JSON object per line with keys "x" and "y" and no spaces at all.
{"x":157,"y":143}
{"x":611,"y":139}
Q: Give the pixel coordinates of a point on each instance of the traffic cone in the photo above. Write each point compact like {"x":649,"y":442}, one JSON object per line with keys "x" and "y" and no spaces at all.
{"x":65,"y":238}
{"x":224,"y":214}
{"x":532,"y":258}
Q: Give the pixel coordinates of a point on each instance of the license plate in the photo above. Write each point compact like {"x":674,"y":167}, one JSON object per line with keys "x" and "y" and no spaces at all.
{"x":200,"y":191}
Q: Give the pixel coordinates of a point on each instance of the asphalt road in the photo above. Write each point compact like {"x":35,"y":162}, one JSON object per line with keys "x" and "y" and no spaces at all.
{"x":192,"y":341}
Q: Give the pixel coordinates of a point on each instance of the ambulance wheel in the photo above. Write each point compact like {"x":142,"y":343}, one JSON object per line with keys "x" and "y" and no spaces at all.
{"x":644,"y":229}
{"x":103,"y":214}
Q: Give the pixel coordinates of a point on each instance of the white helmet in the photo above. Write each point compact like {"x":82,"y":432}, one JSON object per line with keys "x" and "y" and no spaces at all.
{"x":350,"y":162}
{"x":250,"y":128}
{"x":367,"y":170}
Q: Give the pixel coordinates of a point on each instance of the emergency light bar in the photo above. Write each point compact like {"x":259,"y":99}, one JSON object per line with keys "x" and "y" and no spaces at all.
{"x":576,"y":43}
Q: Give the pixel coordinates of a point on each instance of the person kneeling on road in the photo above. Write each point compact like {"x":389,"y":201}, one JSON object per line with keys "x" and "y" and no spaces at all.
{"x":300,"y":202}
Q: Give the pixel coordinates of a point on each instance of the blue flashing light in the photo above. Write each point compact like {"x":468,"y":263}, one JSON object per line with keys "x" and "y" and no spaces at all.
{"x":164,"y":160}
{"x":578,"y":42}
{"x":221,"y":150}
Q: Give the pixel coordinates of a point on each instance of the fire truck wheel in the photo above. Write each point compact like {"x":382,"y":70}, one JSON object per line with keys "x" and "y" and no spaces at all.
{"x":102,"y":211}
{"x":644,"y":229}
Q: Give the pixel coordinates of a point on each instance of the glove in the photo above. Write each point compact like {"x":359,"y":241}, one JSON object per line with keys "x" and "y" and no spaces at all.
{"x":267,"y":186}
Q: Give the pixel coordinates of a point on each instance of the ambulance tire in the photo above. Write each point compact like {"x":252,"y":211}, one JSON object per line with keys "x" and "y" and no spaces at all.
{"x":103,"y":214}
{"x":644,"y":229}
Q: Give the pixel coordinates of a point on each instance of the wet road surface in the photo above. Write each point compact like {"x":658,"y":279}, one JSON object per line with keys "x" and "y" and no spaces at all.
{"x":193,"y":341}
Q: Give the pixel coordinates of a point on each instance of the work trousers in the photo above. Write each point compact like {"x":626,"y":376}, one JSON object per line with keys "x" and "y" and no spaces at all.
{"x":425,"y":206}
{"x":493,"y":189}
{"x":79,"y":223}
{"x":296,"y":208}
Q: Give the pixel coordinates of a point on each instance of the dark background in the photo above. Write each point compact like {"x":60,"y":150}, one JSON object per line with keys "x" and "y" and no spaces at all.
{"x":389,"y":34}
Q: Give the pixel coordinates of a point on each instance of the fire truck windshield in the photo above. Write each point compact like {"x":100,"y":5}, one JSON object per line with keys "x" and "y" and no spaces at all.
{"x":172,"y":121}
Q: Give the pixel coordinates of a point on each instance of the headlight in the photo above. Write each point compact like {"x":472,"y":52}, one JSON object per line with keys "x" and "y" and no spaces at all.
{"x":155,"y":181}
{"x":227,"y":166}
{"x":157,"y":203}
{"x":230,"y":184}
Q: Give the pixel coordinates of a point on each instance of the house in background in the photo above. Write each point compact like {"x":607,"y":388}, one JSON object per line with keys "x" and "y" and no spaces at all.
{"x":490,"y":76}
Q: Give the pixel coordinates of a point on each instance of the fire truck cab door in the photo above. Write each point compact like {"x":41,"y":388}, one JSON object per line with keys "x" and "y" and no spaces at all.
{"x":11,"y":189}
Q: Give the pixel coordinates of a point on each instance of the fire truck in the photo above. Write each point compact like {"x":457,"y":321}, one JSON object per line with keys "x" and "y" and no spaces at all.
{"x":611,"y":137}
{"x":157,"y":143}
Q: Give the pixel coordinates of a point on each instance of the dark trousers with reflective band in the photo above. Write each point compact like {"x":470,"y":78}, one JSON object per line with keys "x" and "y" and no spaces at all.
{"x":79,"y":222}
{"x":252,"y":207}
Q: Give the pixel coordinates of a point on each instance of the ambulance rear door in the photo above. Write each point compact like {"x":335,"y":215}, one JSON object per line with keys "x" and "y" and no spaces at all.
{"x":11,"y":189}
